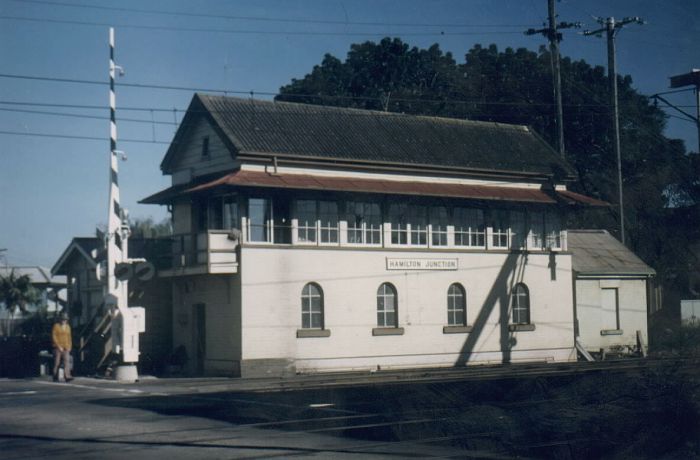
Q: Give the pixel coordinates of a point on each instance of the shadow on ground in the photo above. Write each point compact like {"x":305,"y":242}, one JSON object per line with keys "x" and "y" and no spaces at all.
{"x":602,"y":415}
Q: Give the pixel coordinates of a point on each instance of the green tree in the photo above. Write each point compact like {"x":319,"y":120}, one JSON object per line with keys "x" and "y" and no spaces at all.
{"x":17,"y":292}
{"x":515,"y":86}
{"x":148,"y":228}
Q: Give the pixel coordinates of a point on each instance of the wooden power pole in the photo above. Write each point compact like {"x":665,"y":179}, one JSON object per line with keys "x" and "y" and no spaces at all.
{"x":610,"y":27}
{"x":554,"y":38}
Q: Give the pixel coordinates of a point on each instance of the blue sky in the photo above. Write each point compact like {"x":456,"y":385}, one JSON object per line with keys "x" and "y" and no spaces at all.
{"x":54,"y":188}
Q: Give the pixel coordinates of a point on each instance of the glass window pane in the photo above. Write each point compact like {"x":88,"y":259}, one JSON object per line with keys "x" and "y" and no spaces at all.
{"x":231,"y":219}
{"x":328,"y":217}
{"x":258,"y":215}
{"x":306,"y":220}
{"x":537,"y":229}
{"x":399,"y":219}
{"x":311,"y":306}
{"x":216,"y":209}
{"x":518,"y":229}
{"x":553,"y":229}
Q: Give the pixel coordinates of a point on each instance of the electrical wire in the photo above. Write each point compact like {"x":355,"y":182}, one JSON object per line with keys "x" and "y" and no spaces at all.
{"x":253,"y":32}
{"x":91,"y":107}
{"x":86,"y":138}
{"x":271,"y":93}
{"x":94,"y":117}
{"x":266,"y":19}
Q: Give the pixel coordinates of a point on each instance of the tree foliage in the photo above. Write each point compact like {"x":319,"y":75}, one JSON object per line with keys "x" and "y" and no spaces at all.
{"x":17,"y":291}
{"x":148,"y":228}
{"x":515,"y":86}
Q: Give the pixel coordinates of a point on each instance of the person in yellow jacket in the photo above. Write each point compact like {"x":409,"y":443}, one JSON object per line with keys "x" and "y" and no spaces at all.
{"x":62,"y":345}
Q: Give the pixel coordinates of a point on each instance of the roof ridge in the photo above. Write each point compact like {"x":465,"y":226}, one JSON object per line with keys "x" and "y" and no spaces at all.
{"x":368,"y":112}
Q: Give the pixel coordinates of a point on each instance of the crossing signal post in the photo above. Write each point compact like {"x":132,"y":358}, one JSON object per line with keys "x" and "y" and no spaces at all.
{"x":127,"y":322}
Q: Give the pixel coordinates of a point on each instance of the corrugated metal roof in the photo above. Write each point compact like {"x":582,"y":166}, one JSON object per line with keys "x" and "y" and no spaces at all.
{"x":597,"y":252}
{"x":333,"y":133}
{"x":392,"y":187}
{"x":310,"y":182}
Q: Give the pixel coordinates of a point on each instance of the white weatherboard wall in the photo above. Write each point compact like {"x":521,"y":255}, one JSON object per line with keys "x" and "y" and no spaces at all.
{"x":632,"y":305}
{"x":272,"y":279}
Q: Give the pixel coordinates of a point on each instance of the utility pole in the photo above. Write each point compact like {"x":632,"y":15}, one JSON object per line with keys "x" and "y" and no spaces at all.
{"x":610,"y":27}
{"x":554,"y":38}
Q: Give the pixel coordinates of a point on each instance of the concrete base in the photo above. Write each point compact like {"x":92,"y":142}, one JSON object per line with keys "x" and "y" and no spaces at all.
{"x":126,"y":373}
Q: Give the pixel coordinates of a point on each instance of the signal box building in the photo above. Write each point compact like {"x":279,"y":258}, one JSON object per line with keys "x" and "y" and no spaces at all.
{"x":312,"y":238}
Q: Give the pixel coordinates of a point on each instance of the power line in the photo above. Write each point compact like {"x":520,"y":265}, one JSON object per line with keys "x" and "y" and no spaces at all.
{"x":130,"y":85}
{"x":91,"y":107}
{"x":268,"y":93}
{"x":85,"y":138}
{"x":265,"y":19}
{"x":251,"y":31}
{"x":76,"y":115}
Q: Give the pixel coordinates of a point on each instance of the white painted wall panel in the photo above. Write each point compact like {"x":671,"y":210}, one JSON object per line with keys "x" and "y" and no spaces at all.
{"x":272,"y":280}
{"x":632,"y":311}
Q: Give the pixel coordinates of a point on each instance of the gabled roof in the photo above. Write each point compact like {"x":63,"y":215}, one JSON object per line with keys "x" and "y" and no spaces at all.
{"x":311,"y":132}
{"x":597,"y":252}
{"x":82,"y":246}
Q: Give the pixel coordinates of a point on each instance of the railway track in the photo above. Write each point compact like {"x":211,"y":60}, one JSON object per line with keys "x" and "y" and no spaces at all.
{"x":429,"y":375}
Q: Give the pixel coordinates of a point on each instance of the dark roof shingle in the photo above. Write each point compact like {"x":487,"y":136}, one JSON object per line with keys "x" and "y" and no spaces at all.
{"x":334,"y":133}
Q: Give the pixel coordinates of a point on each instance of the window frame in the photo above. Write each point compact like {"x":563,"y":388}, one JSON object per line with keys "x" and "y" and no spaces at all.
{"x":367,"y":229}
{"x":520,"y":291}
{"x":382,"y":311}
{"x":464,"y":228}
{"x":453,"y":309}
{"x":503,"y":233}
{"x":267,"y":226}
{"x":206,"y":151}
{"x":309,"y":229}
{"x":438,"y":226}
{"x":327,"y":230}
{"x":307,"y":307}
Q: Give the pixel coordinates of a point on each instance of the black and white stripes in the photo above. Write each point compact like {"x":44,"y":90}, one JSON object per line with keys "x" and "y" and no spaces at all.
{"x":114,"y":243}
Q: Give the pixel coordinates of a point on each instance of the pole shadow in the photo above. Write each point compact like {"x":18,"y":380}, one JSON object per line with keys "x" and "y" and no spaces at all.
{"x":498,"y":297}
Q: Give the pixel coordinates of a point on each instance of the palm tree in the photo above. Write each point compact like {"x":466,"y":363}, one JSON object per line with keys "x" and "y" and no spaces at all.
{"x":16,"y":292}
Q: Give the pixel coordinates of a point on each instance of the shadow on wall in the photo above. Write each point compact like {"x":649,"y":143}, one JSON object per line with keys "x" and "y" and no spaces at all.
{"x":510,"y":274}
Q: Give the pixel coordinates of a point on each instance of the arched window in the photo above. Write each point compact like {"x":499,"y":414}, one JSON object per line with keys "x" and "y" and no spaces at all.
{"x":456,"y":305}
{"x":312,"y":307}
{"x":520,"y":304}
{"x":387,"y":303}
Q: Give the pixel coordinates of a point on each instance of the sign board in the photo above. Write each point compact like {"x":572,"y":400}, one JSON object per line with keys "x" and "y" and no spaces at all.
{"x":421,"y":264}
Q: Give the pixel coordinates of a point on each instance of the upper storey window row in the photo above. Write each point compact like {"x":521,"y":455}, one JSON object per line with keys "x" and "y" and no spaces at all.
{"x":368,"y":223}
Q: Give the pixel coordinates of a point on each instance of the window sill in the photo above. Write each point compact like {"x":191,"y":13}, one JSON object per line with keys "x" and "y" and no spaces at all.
{"x":521,"y":327}
{"x":305,"y":333}
{"x":612,"y":332}
{"x":456,"y":329}
{"x":377,"y":331}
